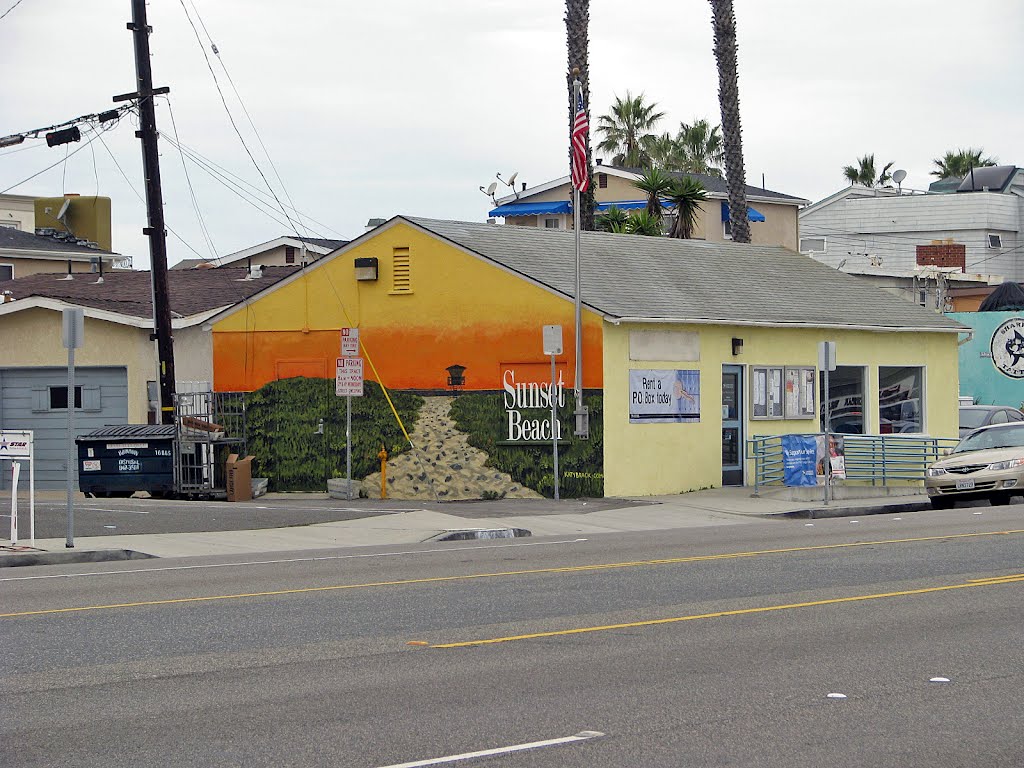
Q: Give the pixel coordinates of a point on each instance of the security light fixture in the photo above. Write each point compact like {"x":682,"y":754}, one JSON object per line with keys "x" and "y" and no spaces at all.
{"x":366,"y":268}
{"x":737,"y":346}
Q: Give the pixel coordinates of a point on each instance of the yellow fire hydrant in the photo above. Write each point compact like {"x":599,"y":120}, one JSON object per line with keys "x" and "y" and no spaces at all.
{"x":383,"y":456}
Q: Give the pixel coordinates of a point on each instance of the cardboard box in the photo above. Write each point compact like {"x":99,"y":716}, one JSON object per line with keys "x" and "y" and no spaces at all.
{"x":239,"y":478}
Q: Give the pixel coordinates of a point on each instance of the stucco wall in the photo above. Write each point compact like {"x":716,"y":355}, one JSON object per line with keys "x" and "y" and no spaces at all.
{"x":461,"y":310}
{"x":979,"y":377}
{"x":24,"y":267}
{"x":674,"y":458}
{"x":32,"y":338}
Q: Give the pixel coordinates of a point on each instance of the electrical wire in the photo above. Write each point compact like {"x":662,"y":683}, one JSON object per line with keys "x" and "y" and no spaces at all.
{"x":234,"y":125}
{"x":11,"y":9}
{"x":192,"y":193}
{"x":47,"y":168}
{"x":241,"y":102}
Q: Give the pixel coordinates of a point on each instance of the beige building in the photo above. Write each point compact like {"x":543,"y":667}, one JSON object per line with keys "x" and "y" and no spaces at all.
{"x":773,"y":215}
{"x":117,"y":365}
{"x":48,"y":235}
{"x":284,"y":251}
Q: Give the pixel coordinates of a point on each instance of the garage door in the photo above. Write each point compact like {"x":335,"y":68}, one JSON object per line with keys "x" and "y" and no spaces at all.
{"x":37,"y":398}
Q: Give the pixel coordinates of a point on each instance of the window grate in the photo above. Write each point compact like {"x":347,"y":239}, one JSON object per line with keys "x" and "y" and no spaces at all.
{"x":401,"y":271}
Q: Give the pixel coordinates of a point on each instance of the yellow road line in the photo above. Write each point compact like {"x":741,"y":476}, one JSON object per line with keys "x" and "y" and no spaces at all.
{"x":500,"y":574}
{"x":719,"y":614}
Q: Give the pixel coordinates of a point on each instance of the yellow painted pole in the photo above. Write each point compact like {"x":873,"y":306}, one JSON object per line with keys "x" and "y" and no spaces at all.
{"x":383,"y":456}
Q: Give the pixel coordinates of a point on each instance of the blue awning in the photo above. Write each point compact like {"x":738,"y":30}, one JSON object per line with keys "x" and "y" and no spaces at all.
{"x":751,"y":213}
{"x":622,"y":205}
{"x":531,"y":209}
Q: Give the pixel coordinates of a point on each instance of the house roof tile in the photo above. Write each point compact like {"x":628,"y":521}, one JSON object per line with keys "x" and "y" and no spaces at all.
{"x":191,"y":291}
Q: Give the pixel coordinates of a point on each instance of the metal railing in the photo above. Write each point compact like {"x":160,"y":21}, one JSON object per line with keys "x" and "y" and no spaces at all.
{"x":877,"y":459}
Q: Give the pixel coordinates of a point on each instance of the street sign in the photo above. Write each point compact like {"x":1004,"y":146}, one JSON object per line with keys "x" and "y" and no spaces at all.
{"x":15,"y":444}
{"x":350,"y":342}
{"x":73,"y":327}
{"x":348,"y":379}
{"x":552,"y":339}
{"x":826,"y":355}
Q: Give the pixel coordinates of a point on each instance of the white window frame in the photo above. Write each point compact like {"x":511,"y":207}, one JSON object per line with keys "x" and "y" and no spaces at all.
{"x":727,"y":230}
{"x":993,"y":237}
{"x":7,"y":264}
{"x":824,"y":244}
{"x":867,"y":396}
{"x":922,"y":406}
{"x":556,"y":219}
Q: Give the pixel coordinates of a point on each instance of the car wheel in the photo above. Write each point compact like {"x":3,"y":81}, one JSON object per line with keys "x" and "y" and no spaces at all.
{"x":999,"y":499}
{"x":939,"y":502}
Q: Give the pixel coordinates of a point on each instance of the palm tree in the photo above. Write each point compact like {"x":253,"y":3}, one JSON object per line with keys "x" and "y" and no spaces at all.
{"x":612,"y":220}
{"x":642,"y":223}
{"x":724,"y":24}
{"x":956,"y":165}
{"x":664,"y":152}
{"x":863,"y":173}
{"x":686,"y":195}
{"x":655,"y":183}
{"x":627,"y":128}
{"x":577,"y":23}
{"x":701,"y":148}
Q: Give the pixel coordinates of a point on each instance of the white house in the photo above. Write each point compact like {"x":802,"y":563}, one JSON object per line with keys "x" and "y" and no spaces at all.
{"x":977,"y":227}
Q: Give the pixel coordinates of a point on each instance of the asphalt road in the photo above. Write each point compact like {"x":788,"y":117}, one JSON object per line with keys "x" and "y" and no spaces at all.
{"x":104,"y":517}
{"x":716,"y":646}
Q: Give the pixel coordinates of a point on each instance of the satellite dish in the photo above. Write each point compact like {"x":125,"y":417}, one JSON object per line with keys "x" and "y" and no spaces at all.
{"x":491,"y":187}
{"x":512,"y":178}
{"x":899,"y":175}
{"x":64,"y":211}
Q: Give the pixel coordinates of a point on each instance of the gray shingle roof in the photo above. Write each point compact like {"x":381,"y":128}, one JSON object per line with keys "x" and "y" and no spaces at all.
{"x":628,"y":276}
{"x":713,"y":184}
{"x":127,"y":292}
{"x":27,"y":241}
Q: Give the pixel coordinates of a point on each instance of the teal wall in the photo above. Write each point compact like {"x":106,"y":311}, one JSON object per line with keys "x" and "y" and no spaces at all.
{"x":979,"y":378}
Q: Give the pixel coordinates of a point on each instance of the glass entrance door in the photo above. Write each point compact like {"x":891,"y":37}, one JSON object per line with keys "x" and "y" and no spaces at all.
{"x":732,"y":425}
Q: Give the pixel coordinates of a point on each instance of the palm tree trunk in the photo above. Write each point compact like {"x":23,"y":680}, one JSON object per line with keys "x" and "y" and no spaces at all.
{"x":577,"y":22}
{"x":724,"y":23}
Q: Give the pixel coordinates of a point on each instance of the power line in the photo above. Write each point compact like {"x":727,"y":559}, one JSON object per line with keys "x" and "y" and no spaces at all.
{"x":11,"y":9}
{"x":192,"y":193}
{"x":231,"y":118}
{"x":49,"y":167}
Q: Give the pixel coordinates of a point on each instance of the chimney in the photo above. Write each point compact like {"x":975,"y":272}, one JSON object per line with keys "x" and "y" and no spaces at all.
{"x":598,"y":161}
{"x":524,"y":186}
{"x":943,"y":254}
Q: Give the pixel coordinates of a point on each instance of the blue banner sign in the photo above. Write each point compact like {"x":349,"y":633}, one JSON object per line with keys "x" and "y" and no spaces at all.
{"x":799,"y":460}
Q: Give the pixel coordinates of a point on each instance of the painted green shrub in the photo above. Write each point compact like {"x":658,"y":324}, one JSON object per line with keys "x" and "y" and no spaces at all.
{"x":282,"y":424}
{"x":580,"y":462}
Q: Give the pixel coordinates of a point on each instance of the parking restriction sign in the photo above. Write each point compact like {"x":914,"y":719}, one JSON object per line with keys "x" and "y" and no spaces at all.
{"x":350,"y":342}
{"x":348,"y":379}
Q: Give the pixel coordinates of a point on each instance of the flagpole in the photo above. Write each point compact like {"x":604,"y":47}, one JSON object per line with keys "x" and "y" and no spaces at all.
{"x":581,"y":426}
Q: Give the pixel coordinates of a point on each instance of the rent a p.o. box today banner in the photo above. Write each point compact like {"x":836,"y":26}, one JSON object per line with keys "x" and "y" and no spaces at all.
{"x":664,"y":397}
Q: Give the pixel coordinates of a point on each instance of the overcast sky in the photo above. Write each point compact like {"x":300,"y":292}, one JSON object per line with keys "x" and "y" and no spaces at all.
{"x":401,"y":106}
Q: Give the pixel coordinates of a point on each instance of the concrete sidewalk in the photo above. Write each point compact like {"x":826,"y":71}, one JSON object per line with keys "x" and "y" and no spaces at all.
{"x":718,"y":506}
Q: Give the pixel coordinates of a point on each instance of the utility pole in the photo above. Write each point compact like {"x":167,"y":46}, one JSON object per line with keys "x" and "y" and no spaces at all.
{"x":156,"y":231}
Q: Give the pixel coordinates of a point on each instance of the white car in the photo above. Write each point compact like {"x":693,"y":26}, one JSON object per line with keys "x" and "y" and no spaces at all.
{"x":987,"y":464}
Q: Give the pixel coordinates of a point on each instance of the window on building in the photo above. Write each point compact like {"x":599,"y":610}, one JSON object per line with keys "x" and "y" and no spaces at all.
{"x":899,"y":399}
{"x":922,"y":298}
{"x":401,"y":271}
{"x":602,"y":181}
{"x":845,"y":399}
{"x":550,"y":223}
{"x":289,"y":254}
{"x":59,"y":398}
{"x":6,"y":272}
{"x":727,"y":230}
{"x":11,"y":224}
{"x":812,"y":245}
{"x":995,"y":241}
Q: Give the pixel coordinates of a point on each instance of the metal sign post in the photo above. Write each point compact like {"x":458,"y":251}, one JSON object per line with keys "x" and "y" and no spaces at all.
{"x":73,"y":336}
{"x":553,"y":347}
{"x":826,"y":363}
{"x":349,"y":366}
{"x":19,"y":445}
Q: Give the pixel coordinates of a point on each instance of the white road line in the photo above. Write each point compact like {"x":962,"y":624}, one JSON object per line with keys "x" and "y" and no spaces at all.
{"x":286,"y":560}
{"x":581,"y":736}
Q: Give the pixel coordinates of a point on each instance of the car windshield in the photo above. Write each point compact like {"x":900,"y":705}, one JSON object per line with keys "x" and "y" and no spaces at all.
{"x":972,"y":417}
{"x":1000,"y":437}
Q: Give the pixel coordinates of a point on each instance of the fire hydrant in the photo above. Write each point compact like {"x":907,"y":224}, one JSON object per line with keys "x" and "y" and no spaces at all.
{"x":383,"y":456}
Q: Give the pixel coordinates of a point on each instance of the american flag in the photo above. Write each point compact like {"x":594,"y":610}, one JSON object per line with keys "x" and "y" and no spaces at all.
{"x":578,"y":140}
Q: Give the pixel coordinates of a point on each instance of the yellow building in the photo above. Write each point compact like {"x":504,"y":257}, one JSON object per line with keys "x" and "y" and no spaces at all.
{"x":690,"y":348}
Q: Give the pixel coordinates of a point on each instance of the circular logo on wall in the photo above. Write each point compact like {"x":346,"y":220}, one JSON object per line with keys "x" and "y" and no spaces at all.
{"x":1008,"y":348}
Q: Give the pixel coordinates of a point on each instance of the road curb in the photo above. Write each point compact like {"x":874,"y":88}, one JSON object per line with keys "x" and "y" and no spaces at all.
{"x":467,"y":534}
{"x":71,"y":557}
{"x":821,"y":513}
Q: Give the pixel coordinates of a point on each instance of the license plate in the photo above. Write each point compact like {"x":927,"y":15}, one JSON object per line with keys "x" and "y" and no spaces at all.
{"x":964,"y":485}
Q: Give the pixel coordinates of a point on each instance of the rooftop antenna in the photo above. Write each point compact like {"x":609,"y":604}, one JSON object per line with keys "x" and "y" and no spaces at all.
{"x":490,"y":191}
{"x":510,"y":183}
{"x":898,"y":176}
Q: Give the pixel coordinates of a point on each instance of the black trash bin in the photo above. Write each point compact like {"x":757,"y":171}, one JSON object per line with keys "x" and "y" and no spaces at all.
{"x":117,"y":461}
